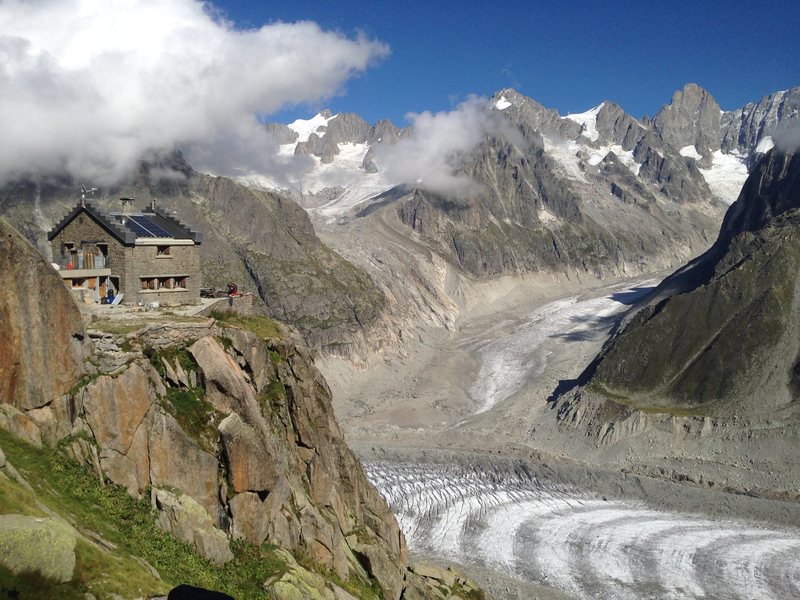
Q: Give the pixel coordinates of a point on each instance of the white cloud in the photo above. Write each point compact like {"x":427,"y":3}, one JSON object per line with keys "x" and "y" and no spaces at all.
{"x":787,"y":136}
{"x":89,"y":86}
{"x":438,"y":144}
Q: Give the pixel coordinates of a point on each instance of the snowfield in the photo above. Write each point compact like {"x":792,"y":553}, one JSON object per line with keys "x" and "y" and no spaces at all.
{"x":587,"y":546}
{"x":587,"y":120}
{"x":726,"y":176}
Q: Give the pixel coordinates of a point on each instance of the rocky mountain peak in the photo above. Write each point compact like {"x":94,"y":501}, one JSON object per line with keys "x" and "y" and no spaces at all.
{"x":692,"y":118}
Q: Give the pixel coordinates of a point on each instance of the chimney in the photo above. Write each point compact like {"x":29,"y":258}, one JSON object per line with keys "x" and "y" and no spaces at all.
{"x":127,"y":204}
{"x":153,"y":204}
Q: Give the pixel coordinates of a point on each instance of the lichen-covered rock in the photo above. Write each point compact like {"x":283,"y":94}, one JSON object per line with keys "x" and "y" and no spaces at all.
{"x":42,"y":338}
{"x":384,"y":567}
{"x":226,"y":387}
{"x":187,"y":520}
{"x":40,"y":545}
{"x":297,"y":583}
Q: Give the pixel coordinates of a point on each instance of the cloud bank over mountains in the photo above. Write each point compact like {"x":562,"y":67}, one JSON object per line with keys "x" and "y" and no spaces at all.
{"x":89,"y":87}
{"x":432,"y":154}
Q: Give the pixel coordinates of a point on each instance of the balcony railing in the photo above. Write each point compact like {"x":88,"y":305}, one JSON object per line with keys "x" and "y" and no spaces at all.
{"x":82,"y":262}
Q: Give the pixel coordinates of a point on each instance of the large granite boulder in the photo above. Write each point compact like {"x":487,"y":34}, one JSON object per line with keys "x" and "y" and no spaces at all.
{"x":42,"y":331}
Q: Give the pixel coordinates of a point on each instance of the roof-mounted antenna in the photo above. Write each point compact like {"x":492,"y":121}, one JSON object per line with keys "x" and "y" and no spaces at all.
{"x":84,"y":191}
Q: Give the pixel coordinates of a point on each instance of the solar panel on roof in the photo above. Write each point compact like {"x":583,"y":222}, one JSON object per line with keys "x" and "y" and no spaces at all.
{"x":144,"y":227}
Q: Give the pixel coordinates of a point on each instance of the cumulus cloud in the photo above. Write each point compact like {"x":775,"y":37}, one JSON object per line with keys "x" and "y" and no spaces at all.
{"x":89,"y":86}
{"x":438,"y":144}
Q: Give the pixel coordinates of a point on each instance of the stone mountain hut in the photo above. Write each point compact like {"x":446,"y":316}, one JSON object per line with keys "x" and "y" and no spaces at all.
{"x":147,"y":257}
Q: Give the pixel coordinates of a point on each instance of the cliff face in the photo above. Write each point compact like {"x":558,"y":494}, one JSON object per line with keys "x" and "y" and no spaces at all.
{"x":233,"y":433}
{"x":42,"y":329}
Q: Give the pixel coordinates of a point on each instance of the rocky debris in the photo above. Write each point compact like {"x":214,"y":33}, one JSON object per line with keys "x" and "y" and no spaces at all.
{"x":42,"y":329}
{"x":40,"y":545}
{"x":187,"y":520}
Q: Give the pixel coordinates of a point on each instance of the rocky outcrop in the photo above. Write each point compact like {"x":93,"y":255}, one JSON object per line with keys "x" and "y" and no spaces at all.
{"x":234,"y":434}
{"x":42,"y":330}
{"x":188,"y":521}
{"x":708,"y":365}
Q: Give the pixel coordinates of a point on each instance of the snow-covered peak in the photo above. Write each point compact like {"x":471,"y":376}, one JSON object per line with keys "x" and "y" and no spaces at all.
{"x":502,"y":103}
{"x":588,"y":120}
{"x":305,"y":127}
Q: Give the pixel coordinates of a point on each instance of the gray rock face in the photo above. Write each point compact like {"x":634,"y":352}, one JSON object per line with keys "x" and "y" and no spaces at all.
{"x":177,"y":461}
{"x":743,"y":128}
{"x":691,"y":119}
{"x":281,"y":133}
{"x":40,"y":545}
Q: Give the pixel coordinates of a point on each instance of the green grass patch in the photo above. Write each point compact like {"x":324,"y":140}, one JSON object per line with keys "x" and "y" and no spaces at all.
{"x":274,"y":358}
{"x":174,"y":355}
{"x":643,"y":406}
{"x":75,"y":493}
{"x":193,"y":413}
{"x":263,"y":327}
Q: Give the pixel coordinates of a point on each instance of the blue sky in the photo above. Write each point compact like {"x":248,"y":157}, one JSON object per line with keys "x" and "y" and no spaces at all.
{"x":566,"y":55}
